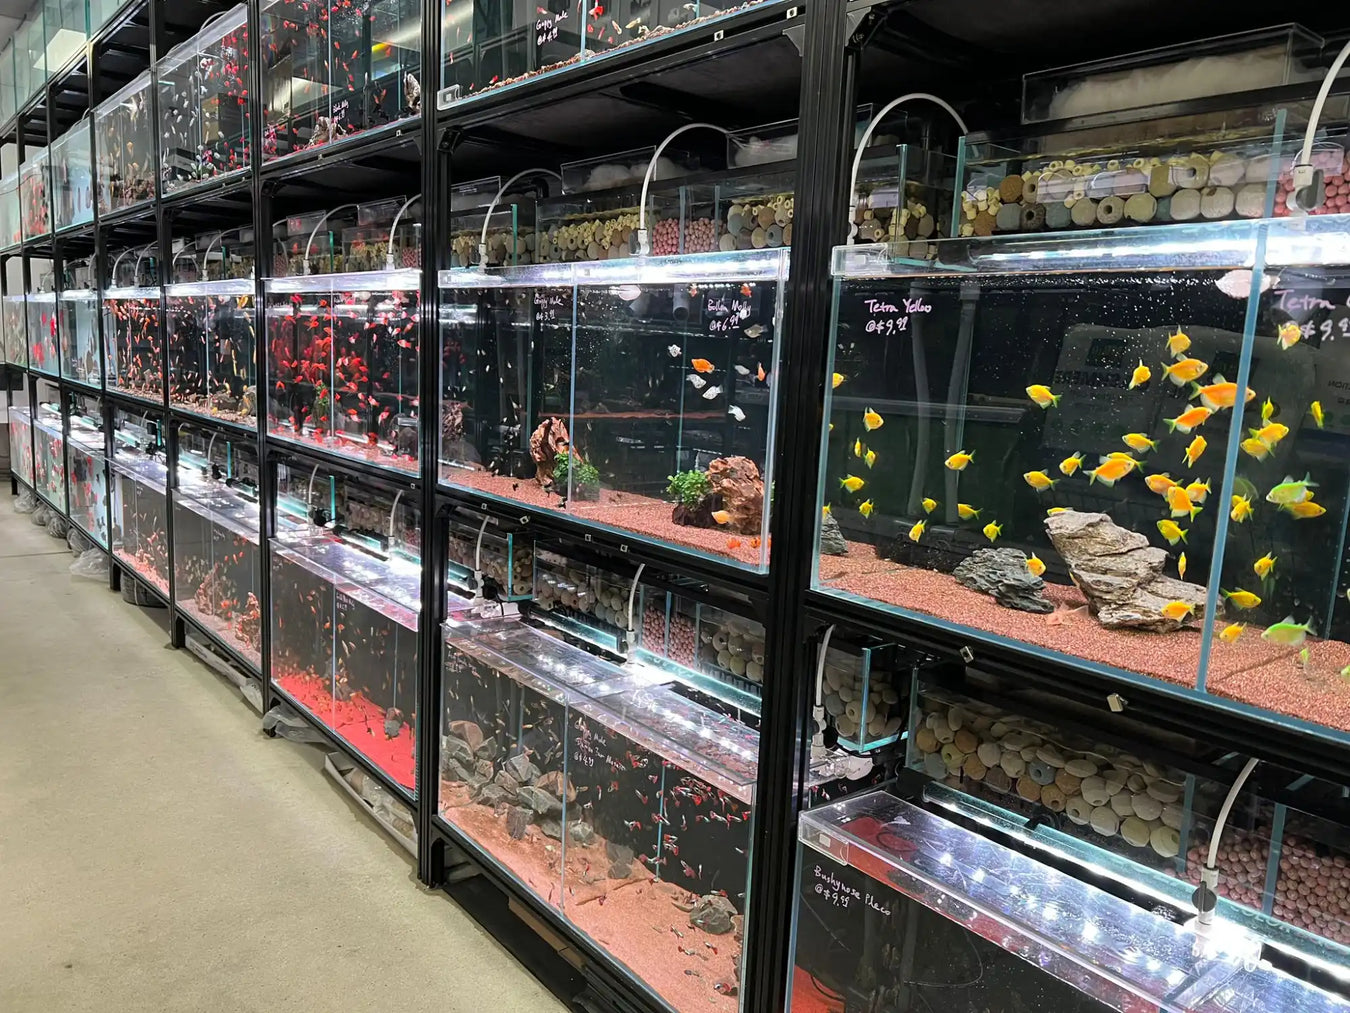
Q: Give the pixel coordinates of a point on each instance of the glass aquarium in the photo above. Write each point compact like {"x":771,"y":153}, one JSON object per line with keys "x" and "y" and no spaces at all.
{"x":11,"y":222}
{"x":131,"y":331}
{"x":346,"y":599}
{"x":44,"y":355}
{"x":487,"y":557}
{"x":124,"y":139}
{"x":35,"y":194}
{"x":509,"y":238}
{"x":612,"y":792}
{"x":333,"y":69}
{"x":216,"y":532}
{"x":67,"y":29}
{"x":30,"y":56}
{"x":140,"y":510}
{"x":1120,"y":450}
{"x":14,"y":320}
{"x":898,"y":908}
{"x":487,"y":45}
{"x":21,"y":443}
{"x":49,"y":448}
{"x":8,"y":105}
{"x":342,"y":348}
{"x":87,"y":466}
{"x":203,"y":104}
{"x":73,"y":177}
{"x":635,"y":395}
{"x":212,"y":347}
{"x":101,"y":12}
{"x":77,"y":323}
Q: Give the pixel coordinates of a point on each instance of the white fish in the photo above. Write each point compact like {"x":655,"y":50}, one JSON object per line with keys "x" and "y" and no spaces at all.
{"x":754,"y":331}
{"x":697,"y":381}
{"x":674,"y":351}
{"x":743,"y":370}
{"x":628,"y":292}
{"x":736,"y":413}
{"x":1237,"y":284}
{"x":711,"y":393}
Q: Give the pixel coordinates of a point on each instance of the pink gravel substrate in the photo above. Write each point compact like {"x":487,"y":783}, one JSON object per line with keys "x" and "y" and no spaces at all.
{"x":1249,"y":670}
{"x":635,"y":919}
{"x":145,"y":570}
{"x":348,"y":448}
{"x":623,"y":510}
{"x":224,"y":630}
{"x":196,"y":408}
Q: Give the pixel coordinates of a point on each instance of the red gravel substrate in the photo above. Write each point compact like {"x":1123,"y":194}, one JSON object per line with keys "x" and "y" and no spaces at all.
{"x":631,"y":918}
{"x":1250,"y":669}
{"x":348,"y":448}
{"x":223,"y":628}
{"x":625,"y":511}
{"x":146,"y":571}
{"x":357,"y":721}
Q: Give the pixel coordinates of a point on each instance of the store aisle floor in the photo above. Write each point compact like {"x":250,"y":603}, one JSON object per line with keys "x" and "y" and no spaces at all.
{"x":159,"y":853}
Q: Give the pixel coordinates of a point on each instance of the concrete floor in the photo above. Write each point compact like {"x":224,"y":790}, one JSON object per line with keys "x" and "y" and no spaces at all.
{"x":159,"y":853}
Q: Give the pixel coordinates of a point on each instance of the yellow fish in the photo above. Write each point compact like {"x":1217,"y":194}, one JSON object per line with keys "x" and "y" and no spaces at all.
{"x":870,"y":457}
{"x":1304,"y":510}
{"x":852,"y":483}
{"x":1289,"y":335}
{"x":1170,"y":531}
{"x":1040,"y":394}
{"x":1183,"y":371}
{"x":929,"y":504}
{"x":1315,"y":410}
{"x":1241,"y":599}
{"x":1242,"y":508}
{"x":1141,"y":375}
{"x":1220,"y":394}
{"x":1255,"y":448}
{"x":1120,"y":455}
{"x":1139,"y":442}
{"x":825,"y":511}
{"x":992,"y":530}
{"x":916,"y":532}
{"x":1263,"y":565}
{"x":1181,"y":566}
{"x":1112,"y":470}
{"x":1178,"y":343}
{"x":1194,"y":451}
{"x":1071,"y":464}
{"x":1055,"y":510}
{"x":1270,"y":434}
{"x":1177,"y":610}
{"x":1198,"y":492}
{"x":1039,"y":480}
{"x":858,"y":447}
{"x":721,"y":516}
{"x":1267,"y":410}
{"x":1231,"y":632}
{"x":1180,"y":504}
{"x":866,"y":508}
{"x":871,"y":420}
{"x":837,"y":379}
{"x":1189,"y":419}
{"x":959,"y":460}
{"x":1035,"y":565}
{"x":966,"y":512}
{"x":1290,"y":491}
{"x":1159,"y":484}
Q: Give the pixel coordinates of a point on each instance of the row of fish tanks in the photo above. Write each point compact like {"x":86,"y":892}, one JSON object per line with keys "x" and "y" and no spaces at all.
{"x":58,"y":451}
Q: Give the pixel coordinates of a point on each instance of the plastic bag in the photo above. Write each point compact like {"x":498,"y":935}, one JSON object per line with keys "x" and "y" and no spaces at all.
{"x":285,"y":723}
{"x":93,"y":564}
{"x":57,"y":526}
{"x":41,"y":515}
{"x":26,"y":503}
{"x":77,"y":541}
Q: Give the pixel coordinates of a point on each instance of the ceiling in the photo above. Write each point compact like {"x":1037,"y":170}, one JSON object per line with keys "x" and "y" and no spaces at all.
{"x":11,"y":15}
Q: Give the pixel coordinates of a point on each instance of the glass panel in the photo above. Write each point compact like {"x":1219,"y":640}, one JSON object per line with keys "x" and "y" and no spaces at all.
{"x":631,"y":394}
{"x":14,"y":318}
{"x":11,"y":220}
{"x":203,"y":103}
{"x":87,"y":463}
{"x":67,"y":30}
{"x":483,"y":557}
{"x":30,"y":59}
{"x":77,"y":324}
{"x":139,"y":507}
{"x":43,"y":354}
{"x":35,"y":194}
{"x":215,"y":535}
{"x":100,"y":11}
{"x":131,"y":325}
{"x":73,"y":177}
{"x":49,"y":450}
{"x":8,"y":104}
{"x":123,"y":140}
{"x":21,"y":443}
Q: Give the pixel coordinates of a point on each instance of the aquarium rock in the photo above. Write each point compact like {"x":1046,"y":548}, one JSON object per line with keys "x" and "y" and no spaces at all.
{"x":469,"y":732}
{"x":555,"y":782}
{"x":456,"y":771}
{"x":831,"y":538}
{"x":518,"y":820}
{"x":581,"y":833}
{"x":456,"y":748}
{"x":1119,"y":573}
{"x":520,"y":767}
{"x":551,"y":828}
{"x":507,"y":783}
{"x":713,"y":914}
{"x":549,"y":439}
{"x":539,"y":800}
{"x":620,"y":860}
{"x":484,"y":769}
{"x":488,"y":750}
{"x":1003,"y":573}
{"x":736,"y":481}
{"x":493,"y":795}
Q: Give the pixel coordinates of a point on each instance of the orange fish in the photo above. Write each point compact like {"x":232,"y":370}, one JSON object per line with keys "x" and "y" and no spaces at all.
{"x":759,"y":373}
{"x":746,"y":290}
{"x":702,"y":365}
{"x":733,"y":543}
{"x":754,"y":543}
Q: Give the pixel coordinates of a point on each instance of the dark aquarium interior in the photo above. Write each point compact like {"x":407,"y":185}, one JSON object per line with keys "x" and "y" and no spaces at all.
{"x":124,"y":140}
{"x":131,"y":331}
{"x":140,"y":509}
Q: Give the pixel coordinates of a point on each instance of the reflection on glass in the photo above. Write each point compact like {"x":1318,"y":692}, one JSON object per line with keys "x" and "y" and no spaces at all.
{"x":21,"y":443}
{"x":73,"y":177}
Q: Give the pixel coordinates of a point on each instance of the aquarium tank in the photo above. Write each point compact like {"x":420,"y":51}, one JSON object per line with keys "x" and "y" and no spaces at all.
{"x":21,"y":443}
{"x":77,"y":323}
{"x":635,"y":395}
{"x":345,"y":609}
{"x":35,"y":194}
{"x":333,"y":68}
{"x":203,"y":104}
{"x":73,"y":177}
{"x":11,"y":222}
{"x":140,"y":515}
{"x":131,"y":334}
{"x":216,"y":533}
{"x":14,"y":323}
{"x":343,"y":338}
{"x":49,"y":448}
{"x":124,"y":139}
{"x":212,"y":346}
{"x":44,"y":356}
{"x":87,"y":466}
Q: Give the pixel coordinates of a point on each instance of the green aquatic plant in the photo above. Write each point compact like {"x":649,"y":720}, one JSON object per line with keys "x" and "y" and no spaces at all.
{"x":584,"y":478}
{"x":688,"y":487}
{"x":322,"y":403}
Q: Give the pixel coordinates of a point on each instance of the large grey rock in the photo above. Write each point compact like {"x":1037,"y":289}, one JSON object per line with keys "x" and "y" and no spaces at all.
{"x":507,"y":783}
{"x":539,"y":800}
{"x":713,"y":914}
{"x":455,"y":748}
{"x":520,"y":767}
{"x":469,"y":732}
{"x":620,"y":860}
{"x":555,"y":782}
{"x":1119,"y":573}
{"x":831,"y":538}
{"x":1003,"y":573}
{"x":488,"y":750}
{"x":493,"y":795}
{"x":484,"y":769}
{"x":518,"y":819}
{"x":551,"y":828}
{"x":581,"y":833}
{"x":456,"y":771}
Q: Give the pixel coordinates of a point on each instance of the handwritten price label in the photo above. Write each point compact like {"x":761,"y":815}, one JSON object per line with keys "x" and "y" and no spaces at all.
{"x":830,"y":887}
{"x":549,"y":307}
{"x":546,"y":29}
